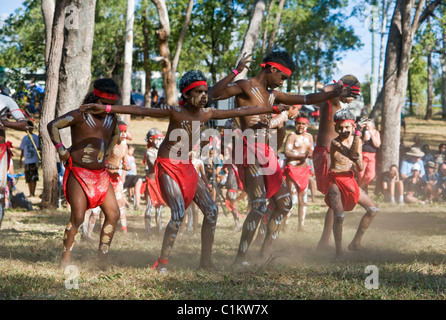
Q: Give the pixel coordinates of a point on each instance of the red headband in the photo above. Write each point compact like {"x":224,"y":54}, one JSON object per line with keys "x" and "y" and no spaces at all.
{"x":123,"y":127}
{"x":105,"y":95}
{"x":341,"y":121}
{"x":194,"y":84}
{"x":156,"y":136}
{"x":302,"y":119}
{"x":278,"y":66}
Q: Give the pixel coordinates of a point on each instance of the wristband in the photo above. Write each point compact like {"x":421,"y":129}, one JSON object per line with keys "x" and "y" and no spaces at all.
{"x":357,"y":132}
{"x":59,"y":145}
{"x":235,"y":71}
{"x":276,"y":109}
{"x":108,"y":108}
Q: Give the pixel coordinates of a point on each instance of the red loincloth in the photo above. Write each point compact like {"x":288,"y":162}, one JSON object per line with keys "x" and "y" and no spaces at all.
{"x":115,"y":179}
{"x":347,"y":185}
{"x":267,"y":160}
{"x":321,"y":160}
{"x":300,"y":176}
{"x":95,"y":183}
{"x":184,"y":175}
{"x":154,"y":192}
{"x":6,"y":148}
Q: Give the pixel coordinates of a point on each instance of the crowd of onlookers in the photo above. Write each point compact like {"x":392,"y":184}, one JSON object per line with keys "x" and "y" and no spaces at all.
{"x":420,"y":176}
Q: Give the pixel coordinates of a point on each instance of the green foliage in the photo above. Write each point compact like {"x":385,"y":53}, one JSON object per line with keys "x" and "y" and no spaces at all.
{"x":22,"y":38}
{"x":314,"y":32}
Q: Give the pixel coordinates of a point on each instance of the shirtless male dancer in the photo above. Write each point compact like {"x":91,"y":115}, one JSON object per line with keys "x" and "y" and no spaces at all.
{"x":299,"y":148}
{"x":86,"y":182}
{"x":8,"y":105}
{"x":259,"y":90}
{"x":343,"y":192}
{"x":118,"y":160}
{"x":177,"y":178}
{"x":321,"y":152}
{"x":154,"y":138}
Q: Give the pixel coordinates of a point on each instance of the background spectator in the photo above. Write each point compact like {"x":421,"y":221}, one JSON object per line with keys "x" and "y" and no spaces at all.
{"x":29,"y":153}
{"x":371,"y":141}
{"x":414,"y":186}
{"x":392,"y":185}
{"x":413,"y":156}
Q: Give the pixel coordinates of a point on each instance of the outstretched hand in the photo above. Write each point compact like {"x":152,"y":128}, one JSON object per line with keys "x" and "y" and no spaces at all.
{"x":346,"y":91}
{"x":244,"y":61}
{"x":92,"y":108}
{"x":293,"y":111}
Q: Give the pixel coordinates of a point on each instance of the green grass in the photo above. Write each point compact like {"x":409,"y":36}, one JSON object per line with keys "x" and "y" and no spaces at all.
{"x":406,"y":245}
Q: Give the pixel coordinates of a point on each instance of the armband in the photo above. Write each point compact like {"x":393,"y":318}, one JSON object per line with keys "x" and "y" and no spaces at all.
{"x":276,"y":109}
{"x":235,"y":71}
{"x":108,"y":108}
{"x":59,"y":145}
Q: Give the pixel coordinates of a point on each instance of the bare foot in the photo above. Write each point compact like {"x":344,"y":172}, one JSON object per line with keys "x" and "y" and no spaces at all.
{"x":209,"y":266}
{"x":357,"y":247}
{"x":323,"y":246}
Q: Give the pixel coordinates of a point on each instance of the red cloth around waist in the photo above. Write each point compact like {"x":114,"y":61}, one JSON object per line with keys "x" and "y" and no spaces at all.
{"x":154,"y":192}
{"x":95,"y":183}
{"x":300,"y":176}
{"x":321,"y":165}
{"x":267,"y":159}
{"x":347,"y":185}
{"x":184,"y":175}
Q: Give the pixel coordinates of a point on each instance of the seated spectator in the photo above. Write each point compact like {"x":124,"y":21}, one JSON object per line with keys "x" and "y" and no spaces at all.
{"x":431,"y":177}
{"x":417,"y":142}
{"x":428,"y":155}
{"x":440,"y":156}
{"x":441,"y":184}
{"x":414,"y":186}
{"x":392,"y":185}
{"x":413,"y":156}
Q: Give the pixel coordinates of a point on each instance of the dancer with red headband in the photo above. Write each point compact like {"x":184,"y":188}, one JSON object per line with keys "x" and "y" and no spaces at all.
{"x":298,"y":148}
{"x":150,"y":188}
{"x":86,"y":182}
{"x":343,"y":192}
{"x":117,"y":161}
{"x":176,"y":176}
{"x":321,"y":152}
{"x":261,"y":90}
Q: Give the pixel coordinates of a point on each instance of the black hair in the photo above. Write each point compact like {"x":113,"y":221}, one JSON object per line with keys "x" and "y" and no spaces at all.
{"x":281,"y":57}
{"x":106,"y":85}
{"x":351,"y":80}
{"x":343,"y":114}
{"x":190,"y":77}
{"x":121,"y":123}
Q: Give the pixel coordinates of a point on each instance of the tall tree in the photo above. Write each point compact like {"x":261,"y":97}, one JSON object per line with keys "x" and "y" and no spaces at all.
{"x":252,"y":34}
{"x":405,"y":22}
{"x":126,"y":87}
{"x":163,"y":34}
{"x":75,"y":70}
{"x":49,"y":156}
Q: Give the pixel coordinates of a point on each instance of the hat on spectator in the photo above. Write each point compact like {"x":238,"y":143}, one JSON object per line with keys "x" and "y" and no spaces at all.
{"x":415,"y":152}
{"x":416,"y":166}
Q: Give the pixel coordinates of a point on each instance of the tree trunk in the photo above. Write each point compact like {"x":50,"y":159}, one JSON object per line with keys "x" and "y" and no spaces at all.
{"x":430,"y":88}
{"x":272,"y":36}
{"x":265,"y":32}
{"x":49,"y":156}
{"x":399,"y":45}
{"x":163,"y":33}
{"x":147,"y":62}
{"x":48,"y":7}
{"x":75,"y":69}
{"x":252,"y":34}
{"x":176,"y":57}
{"x":128,"y":55}
{"x":385,"y":9}
{"x":443,"y":76}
